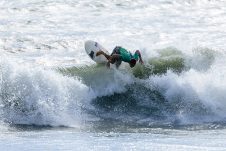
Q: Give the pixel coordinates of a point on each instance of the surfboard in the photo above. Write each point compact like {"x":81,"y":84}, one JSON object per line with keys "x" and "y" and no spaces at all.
{"x":92,"y":48}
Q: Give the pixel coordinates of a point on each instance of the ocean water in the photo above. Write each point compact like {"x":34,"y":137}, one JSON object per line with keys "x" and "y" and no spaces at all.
{"x":54,"y":97}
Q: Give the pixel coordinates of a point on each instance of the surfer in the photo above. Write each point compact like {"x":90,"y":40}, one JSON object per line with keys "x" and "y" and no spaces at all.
{"x":120,"y":54}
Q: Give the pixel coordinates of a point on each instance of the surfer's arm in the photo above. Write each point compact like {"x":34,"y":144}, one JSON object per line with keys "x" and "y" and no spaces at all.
{"x":140,"y":58}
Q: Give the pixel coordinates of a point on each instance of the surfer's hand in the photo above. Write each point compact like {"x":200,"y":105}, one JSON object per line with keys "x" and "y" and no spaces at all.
{"x":141,"y":61}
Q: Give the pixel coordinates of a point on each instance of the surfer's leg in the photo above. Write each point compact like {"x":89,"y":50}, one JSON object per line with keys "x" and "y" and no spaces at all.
{"x":103,"y":53}
{"x":118,"y":63}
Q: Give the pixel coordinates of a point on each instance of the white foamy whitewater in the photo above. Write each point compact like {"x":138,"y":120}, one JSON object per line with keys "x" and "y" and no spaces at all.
{"x":50,"y":88}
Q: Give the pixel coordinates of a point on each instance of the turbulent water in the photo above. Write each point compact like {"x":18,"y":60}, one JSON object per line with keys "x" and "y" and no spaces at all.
{"x":49,"y":87}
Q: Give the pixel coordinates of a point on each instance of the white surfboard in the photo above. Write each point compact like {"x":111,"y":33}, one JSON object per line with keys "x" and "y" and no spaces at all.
{"x":92,"y":48}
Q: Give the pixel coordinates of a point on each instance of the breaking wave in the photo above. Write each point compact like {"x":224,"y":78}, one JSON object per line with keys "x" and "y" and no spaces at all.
{"x":171,"y":88}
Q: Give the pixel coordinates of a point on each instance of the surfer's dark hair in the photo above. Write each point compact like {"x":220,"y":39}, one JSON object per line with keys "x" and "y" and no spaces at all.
{"x":132,"y":62}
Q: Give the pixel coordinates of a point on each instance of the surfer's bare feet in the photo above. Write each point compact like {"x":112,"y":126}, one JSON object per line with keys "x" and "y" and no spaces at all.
{"x":99,"y":53}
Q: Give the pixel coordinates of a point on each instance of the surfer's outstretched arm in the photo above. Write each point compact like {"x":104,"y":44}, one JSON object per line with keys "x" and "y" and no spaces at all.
{"x":140,"y":58}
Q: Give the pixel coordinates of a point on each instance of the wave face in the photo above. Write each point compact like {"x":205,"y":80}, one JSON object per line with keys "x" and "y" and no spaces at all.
{"x":172,"y":88}
{"x":46,"y":78}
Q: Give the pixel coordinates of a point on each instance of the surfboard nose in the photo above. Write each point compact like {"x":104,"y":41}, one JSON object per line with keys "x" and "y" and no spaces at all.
{"x":92,"y":47}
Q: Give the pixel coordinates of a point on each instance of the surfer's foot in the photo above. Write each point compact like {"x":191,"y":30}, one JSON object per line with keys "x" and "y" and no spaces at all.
{"x":99,"y":53}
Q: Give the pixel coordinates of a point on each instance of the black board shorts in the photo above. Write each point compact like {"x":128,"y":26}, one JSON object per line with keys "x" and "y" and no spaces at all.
{"x":116,"y":51}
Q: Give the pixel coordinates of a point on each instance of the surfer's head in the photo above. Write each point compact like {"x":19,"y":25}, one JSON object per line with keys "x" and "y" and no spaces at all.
{"x":132,"y":62}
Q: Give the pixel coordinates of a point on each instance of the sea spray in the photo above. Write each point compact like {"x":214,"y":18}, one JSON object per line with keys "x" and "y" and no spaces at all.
{"x":102,"y":80}
{"x":32,"y":95}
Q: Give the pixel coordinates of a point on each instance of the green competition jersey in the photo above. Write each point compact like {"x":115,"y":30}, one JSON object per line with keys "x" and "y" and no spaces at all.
{"x":126,"y":56}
